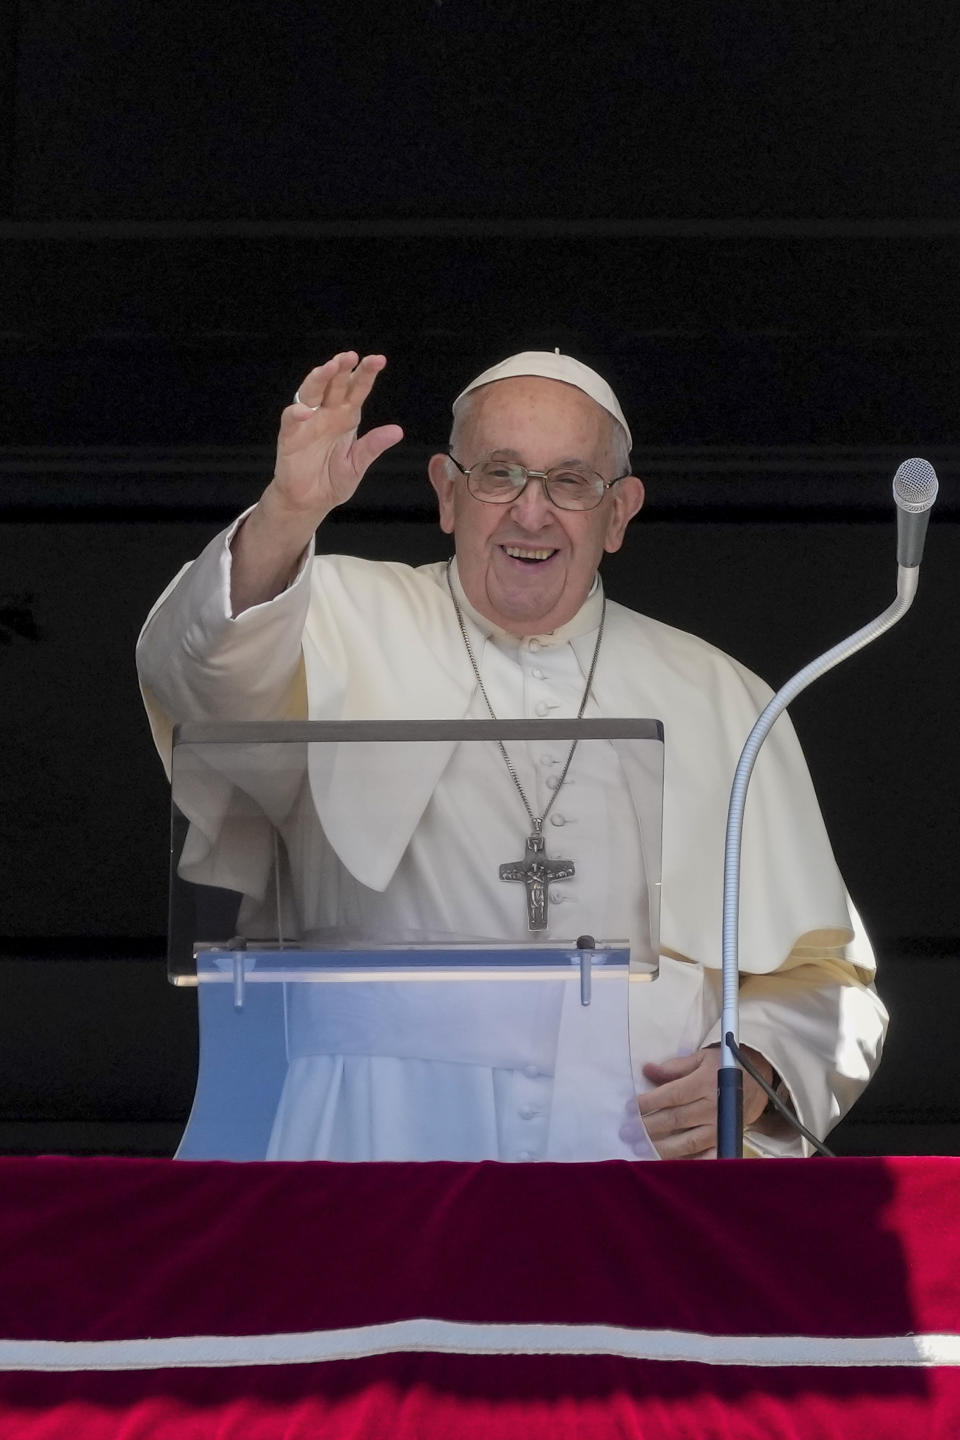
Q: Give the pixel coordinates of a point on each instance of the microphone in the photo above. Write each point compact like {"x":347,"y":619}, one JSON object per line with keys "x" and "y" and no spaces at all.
{"x":914,"y":490}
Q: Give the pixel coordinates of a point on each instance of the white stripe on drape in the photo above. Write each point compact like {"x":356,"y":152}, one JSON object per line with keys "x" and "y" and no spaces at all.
{"x":464,"y":1338}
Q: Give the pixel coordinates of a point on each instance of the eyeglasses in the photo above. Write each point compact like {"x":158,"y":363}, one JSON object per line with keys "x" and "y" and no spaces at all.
{"x":569,"y":487}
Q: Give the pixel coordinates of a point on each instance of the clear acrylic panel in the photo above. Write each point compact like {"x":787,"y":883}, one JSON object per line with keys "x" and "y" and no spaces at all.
{"x":393,"y":962}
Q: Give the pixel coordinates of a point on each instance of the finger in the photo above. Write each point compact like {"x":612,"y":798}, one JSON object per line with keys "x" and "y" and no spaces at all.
{"x":292,"y":419}
{"x":688,"y":1143}
{"x":674,"y":1069}
{"x":299,"y":422}
{"x":341,"y":382}
{"x":341,"y":371}
{"x":678,"y":1092}
{"x":315,"y":393}
{"x":314,"y":387}
{"x":683,"y":1117}
{"x":361,"y":381}
{"x":700,"y":1110}
{"x":372,"y":445}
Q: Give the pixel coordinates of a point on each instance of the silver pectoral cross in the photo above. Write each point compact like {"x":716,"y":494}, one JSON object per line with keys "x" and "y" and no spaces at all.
{"x":536,"y":871}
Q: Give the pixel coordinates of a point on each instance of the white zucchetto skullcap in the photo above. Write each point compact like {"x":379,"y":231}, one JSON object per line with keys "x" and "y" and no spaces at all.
{"x":554,"y":366}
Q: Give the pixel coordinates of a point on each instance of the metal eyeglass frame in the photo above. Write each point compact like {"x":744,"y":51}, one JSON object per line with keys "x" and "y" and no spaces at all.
{"x":529,"y":475}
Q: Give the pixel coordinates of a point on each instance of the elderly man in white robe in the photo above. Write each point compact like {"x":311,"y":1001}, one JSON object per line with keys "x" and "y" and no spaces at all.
{"x":535,"y":489}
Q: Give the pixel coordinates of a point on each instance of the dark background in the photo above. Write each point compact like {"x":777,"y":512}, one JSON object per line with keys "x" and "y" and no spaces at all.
{"x":746,"y":215}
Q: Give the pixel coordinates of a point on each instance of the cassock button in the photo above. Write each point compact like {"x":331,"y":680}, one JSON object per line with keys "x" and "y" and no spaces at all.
{"x":539,"y":674}
{"x":528,"y":1112}
{"x":542,"y":708}
{"x":526,"y":1155}
{"x":553,"y":782}
{"x":558,"y":819}
{"x":557,"y":897}
{"x":532,"y":1072}
{"x":534,"y":644}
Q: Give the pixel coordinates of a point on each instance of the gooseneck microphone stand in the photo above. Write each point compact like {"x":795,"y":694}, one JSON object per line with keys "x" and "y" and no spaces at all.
{"x":914,"y":489}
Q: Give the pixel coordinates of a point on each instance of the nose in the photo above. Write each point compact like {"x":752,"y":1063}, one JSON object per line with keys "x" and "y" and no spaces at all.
{"x":532,"y":508}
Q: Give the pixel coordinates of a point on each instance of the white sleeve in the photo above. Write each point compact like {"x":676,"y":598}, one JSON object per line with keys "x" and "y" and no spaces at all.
{"x":197,"y":662}
{"x":821,"y":1025}
{"x":823,"y":1036}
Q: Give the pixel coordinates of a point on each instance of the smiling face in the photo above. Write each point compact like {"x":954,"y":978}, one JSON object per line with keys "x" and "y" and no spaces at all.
{"x":528,"y":565}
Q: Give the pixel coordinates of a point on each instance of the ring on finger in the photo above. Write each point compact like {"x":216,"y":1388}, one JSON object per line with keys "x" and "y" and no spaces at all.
{"x":298,"y":401}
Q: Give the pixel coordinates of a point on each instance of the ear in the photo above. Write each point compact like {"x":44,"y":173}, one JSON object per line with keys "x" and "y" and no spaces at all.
{"x":628,"y":496}
{"x":444,"y":483}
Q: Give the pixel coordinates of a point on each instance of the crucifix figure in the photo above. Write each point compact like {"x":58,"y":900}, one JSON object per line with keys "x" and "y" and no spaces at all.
{"x":536,"y":871}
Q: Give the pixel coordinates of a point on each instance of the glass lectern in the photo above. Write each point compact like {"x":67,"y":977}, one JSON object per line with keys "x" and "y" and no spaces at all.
{"x":393,"y":959}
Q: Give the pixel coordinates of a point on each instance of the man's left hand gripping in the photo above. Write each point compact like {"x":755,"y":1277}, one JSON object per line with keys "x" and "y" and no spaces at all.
{"x":680,"y":1112}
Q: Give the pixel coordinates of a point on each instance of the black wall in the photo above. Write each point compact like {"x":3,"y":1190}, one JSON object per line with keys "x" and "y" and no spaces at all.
{"x":746,"y":216}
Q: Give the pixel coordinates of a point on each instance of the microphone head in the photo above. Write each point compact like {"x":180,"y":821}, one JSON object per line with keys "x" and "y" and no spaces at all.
{"x":915,"y":486}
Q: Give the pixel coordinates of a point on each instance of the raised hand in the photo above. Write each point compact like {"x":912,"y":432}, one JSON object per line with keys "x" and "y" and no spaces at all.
{"x":320,"y":462}
{"x":320,"y":457}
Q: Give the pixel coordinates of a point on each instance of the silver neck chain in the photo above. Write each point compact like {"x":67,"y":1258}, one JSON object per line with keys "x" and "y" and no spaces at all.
{"x":535,"y":820}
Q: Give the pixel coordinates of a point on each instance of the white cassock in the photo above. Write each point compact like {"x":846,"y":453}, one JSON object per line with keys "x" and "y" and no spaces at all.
{"x":545,"y":1077}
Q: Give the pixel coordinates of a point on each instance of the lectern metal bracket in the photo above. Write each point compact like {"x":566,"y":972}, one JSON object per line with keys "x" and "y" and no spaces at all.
{"x":239,"y":945}
{"x":587,"y":948}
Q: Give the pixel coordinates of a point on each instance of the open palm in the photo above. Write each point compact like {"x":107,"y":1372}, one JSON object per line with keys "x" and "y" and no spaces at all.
{"x":320,"y":457}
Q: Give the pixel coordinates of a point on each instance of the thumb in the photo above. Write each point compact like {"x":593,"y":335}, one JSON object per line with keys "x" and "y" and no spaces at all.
{"x":372,"y":445}
{"x":661,"y":1073}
